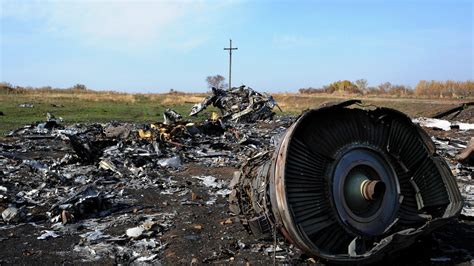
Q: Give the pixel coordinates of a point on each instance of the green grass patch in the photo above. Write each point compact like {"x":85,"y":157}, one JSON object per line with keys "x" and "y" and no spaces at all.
{"x":83,"y":111}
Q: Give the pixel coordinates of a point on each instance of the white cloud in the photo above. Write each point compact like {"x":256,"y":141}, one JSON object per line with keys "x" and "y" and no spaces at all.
{"x":127,"y":22}
{"x":123,"y":23}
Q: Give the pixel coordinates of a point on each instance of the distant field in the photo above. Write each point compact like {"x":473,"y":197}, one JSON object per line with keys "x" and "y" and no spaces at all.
{"x":83,"y":107}
{"x":75,"y":107}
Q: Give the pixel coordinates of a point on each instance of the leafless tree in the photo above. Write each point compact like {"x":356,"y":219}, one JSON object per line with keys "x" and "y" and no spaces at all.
{"x":216,"y":81}
{"x":385,"y":87}
{"x":361,"y":84}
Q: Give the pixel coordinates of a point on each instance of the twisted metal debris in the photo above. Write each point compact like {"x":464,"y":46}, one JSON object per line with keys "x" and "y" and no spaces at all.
{"x":347,"y":185}
{"x":240,"y":104}
{"x":134,"y":193}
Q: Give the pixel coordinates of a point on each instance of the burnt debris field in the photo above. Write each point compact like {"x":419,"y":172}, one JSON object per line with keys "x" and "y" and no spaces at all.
{"x":175,"y":191}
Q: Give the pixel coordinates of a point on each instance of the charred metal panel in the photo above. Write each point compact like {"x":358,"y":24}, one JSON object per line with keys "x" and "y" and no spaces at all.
{"x":239,"y":104}
{"x":347,"y":185}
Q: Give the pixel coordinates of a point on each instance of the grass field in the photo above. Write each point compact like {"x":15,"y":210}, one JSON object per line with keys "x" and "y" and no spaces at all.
{"x":94,"y":107}
{"x":76,"y":107}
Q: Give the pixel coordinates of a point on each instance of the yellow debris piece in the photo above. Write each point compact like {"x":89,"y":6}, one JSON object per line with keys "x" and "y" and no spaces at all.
{"x":164,"y":136}
{"x":214,"y":116}
{"x":144,"y":134}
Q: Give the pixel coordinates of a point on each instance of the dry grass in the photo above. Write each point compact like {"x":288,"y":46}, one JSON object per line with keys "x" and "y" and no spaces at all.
{"x":289,"y":102}
{"x":94,"y":97}
{"x":177,"y":99}
{"x":294,"y":102}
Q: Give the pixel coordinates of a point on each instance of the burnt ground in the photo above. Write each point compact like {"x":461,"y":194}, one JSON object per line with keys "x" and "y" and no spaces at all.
{"x":209,"y":234}
{"x":198,"y":229}
{"x":200,"y":233}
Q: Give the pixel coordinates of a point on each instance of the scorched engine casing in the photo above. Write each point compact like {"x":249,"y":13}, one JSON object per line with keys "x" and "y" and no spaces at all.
{"x":347,"y":185}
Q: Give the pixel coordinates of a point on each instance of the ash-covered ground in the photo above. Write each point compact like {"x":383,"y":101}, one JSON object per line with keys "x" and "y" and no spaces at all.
{"x":121,"y":193}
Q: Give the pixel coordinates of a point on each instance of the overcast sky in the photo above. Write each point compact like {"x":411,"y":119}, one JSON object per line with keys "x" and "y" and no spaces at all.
{"x":153,"y":46}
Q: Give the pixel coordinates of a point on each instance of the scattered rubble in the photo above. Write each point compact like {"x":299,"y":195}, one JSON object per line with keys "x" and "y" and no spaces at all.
{"x":171,"y":117}
{"x":48,"y":234}
{"x":126,"y":193}
{"x":80,"y":179}
{"x":451,"y":149}
{"x":239,"y":104}
{"x":173,"y":162}
{"x":26,"y":105}
{"x":13,"y":214}
{"x":442,"y":124}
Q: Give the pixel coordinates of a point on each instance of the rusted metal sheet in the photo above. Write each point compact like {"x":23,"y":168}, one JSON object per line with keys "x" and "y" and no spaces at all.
{"x":457,"y":109}
{"x":347,"y":185}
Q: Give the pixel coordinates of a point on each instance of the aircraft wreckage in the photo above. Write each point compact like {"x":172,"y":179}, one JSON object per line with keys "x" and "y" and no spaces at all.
{"x":342,"y":184}
{"x":240,"y":104}
{"x":347,"y":185}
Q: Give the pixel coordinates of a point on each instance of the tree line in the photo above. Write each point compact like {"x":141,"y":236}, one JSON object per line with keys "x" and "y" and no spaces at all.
{"x":8,"y":88}
{"x":424,"y":88}
{"x":433,"y":88}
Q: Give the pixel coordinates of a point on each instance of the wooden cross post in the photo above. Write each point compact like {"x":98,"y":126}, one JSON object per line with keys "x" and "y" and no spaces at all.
{"x":230,"y":62}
